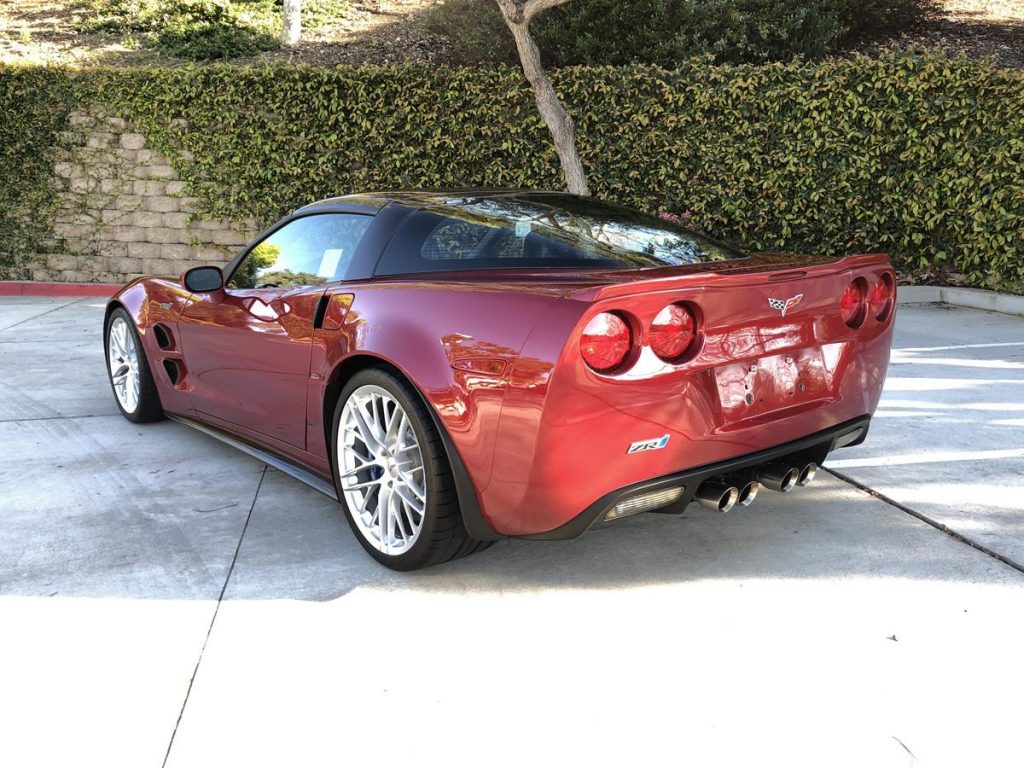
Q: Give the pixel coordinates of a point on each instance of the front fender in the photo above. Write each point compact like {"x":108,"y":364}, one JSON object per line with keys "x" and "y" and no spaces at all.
{"x":152,"y":301}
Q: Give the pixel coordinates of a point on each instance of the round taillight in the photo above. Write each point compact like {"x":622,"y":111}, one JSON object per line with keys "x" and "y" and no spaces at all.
{"x":882,"y":295}
{"x":606,"y":342}
{"x":853,"y":303}
{"x":672,"y":332}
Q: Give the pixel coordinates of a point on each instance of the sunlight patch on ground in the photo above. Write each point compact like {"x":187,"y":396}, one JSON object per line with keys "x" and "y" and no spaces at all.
{"x":926,"y":458}
{"x":956,"y":362}
{"x":931,"y":384}
{"x":959,"y":346}
{"x":676,"y":669}
{"x":933,"y":406}
{"x":990,"y":11}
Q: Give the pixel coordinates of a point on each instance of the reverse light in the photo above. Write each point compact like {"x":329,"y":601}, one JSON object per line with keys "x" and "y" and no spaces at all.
{"x":848,"y":439}
{"x":672,"y":332}
{"x":853,"y":303}
{"x":644,"y":502}
{"x":606,"y":341}
{"x":882,"y":297}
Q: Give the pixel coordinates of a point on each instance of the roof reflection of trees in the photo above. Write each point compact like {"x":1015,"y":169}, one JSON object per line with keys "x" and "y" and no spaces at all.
{"x":647,"y":242}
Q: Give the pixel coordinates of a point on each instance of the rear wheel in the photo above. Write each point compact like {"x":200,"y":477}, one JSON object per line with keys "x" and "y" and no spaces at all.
{"x":128,"y":370}
{"x":393,"y":475}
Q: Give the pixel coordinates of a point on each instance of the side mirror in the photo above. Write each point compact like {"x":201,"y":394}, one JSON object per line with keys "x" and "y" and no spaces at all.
{"x":203,"y":279}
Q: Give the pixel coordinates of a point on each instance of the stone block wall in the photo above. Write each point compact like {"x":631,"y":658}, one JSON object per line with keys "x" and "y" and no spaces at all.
{"x":123,"y":211}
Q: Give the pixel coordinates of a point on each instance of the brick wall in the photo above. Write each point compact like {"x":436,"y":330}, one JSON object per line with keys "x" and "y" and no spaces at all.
{"x":123,"y":211}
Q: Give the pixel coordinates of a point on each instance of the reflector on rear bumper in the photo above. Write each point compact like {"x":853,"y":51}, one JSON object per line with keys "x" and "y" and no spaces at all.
{"x":848,"y":439}
{"x":644,"y":502}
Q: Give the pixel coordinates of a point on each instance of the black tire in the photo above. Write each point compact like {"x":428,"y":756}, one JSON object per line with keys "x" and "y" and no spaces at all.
{"x":148,"y":407}
{"x":442,"y":536}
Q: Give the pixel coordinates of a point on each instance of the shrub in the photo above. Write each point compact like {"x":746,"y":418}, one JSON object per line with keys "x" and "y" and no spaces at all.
{"x":189,"y":29}
{"x":204,"y":29}
{"x":667,"y":32}
{"x":208,"y":30}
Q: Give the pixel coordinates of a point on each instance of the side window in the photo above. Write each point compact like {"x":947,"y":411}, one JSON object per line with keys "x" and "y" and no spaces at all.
{"x":308,"y":251}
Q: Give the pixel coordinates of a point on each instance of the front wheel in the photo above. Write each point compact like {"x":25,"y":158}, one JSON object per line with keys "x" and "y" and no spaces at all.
{"x":393,"y":475}
{"x":128,"y":370}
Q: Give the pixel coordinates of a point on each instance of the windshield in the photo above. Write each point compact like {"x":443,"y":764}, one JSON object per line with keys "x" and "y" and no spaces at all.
{"x":541,"y":230}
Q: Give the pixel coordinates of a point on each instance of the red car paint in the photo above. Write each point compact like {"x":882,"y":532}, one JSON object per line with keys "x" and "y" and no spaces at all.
{"x":496,"y":355}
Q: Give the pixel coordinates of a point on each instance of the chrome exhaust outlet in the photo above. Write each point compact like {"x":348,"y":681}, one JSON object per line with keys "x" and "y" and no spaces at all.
{"x":778,"y":477}
{"x":748,"y":493}
{"x":717,"y":497}
{"x":807,"y":474}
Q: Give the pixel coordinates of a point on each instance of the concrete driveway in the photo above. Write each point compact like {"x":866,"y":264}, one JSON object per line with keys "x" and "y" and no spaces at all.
{"x":165,"y":600}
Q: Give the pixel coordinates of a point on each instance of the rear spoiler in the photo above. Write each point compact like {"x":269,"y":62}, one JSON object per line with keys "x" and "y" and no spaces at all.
{"x":759,"y":268}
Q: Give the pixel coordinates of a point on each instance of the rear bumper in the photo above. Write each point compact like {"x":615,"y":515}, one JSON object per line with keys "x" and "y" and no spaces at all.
{"x":811,"y":448}
{"x":564,"y":447}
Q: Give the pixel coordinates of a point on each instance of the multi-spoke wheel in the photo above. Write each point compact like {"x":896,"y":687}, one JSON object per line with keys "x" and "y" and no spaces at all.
{"x":381,"y":470}
{"x":393,"y":476}
{"x":130,"y":377}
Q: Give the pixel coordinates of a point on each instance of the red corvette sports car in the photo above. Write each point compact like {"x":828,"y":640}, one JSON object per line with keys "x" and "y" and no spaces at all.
{"x":455,"y":368}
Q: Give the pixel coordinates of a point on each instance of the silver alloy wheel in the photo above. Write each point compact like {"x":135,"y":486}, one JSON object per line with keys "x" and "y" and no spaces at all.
{"x":381,"y":470}
{"x":123,"y":359}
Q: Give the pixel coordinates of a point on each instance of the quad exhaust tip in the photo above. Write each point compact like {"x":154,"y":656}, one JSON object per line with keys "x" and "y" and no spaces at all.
{"x":748,"y":493}
{"x":721,"y":495}
{"x":779,"y":477}
{"x":718,"y":497}
{"x":807,"y":474}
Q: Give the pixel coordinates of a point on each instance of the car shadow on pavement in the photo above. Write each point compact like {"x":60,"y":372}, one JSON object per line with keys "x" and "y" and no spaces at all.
{"x":298,"y":546}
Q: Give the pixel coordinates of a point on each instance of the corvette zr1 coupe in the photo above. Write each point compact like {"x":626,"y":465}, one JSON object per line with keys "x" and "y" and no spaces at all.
{"x":455,"y":368}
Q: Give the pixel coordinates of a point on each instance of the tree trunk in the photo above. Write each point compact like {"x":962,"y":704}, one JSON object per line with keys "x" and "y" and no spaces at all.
{"x":292,"y":29}
{"x":557,"y":119}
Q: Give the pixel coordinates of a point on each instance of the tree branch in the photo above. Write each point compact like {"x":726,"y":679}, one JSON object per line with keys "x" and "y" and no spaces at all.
{"x":518,"y":14}
{"x":511,"y":10}
{"x":523,"y":11}
{"x":532,"y":7}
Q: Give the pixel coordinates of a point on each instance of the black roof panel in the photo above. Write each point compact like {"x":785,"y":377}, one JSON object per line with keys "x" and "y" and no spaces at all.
{"x":421,"y":197}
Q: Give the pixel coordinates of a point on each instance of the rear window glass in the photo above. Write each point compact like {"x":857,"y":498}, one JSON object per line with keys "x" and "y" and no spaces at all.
{"x":543,"y":231}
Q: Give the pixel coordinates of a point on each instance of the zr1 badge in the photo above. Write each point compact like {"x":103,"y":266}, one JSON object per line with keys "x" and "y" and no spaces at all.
{"x":648,"y":445}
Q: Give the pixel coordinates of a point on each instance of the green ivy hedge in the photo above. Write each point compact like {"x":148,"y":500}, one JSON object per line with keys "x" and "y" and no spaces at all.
{"x":34,"y":106}
{"x":917,"y":155}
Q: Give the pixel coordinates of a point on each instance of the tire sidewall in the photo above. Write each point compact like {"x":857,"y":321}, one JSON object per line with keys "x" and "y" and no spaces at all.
{"x":420,"y":550}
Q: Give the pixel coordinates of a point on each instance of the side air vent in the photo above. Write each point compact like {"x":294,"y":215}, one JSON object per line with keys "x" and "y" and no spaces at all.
{"x":163,"y":337}
{"x":173,"y":370}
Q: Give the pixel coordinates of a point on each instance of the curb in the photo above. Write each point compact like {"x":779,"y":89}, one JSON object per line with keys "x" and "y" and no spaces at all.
{"x":31,"y":288}
{"x":971,"y":298}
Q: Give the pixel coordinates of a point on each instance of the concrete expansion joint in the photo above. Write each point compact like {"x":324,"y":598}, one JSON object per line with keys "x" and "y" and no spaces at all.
{"x":930,"y":521}
{"x":213,"y":618}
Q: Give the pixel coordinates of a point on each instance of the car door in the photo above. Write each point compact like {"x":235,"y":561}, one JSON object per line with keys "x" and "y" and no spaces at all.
{"x":248,"y":348}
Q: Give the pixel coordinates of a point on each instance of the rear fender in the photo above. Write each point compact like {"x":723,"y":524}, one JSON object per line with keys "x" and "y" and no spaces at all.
{"x":456,"y":346}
